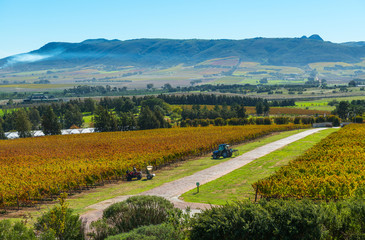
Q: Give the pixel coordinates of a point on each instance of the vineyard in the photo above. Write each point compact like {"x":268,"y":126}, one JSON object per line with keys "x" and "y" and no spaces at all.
{"x":333,"y":169}
{"x":34,"y":169}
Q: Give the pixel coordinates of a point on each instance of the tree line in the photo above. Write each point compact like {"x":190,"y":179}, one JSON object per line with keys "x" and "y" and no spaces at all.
{"x":119,"y":114}
{"x":335,"y":120}
{"x":349,"y":110}
{"x":213,"y":99}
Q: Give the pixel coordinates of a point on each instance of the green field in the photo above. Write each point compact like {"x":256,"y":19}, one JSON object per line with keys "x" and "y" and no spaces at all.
{"x":87,"y":120}
{"x":237,"y":184}
{"x":212,"y":71}
{"x":37,"y":86}
{"x":322,"y":104}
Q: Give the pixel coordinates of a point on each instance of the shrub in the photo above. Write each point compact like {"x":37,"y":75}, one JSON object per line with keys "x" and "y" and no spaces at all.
{"x":233,"y":121}
{"x":294,"y":219}
{"x":204,"y":122}
{"x":343,"y":219}
{"x":61,"y":222}
{"x":297,"y":120}
{"x":334,"y":119}
{"x":307,"y":120}
{"x":276,"y":219}
{"x":16,"y":231}
{"x":153,"y":232}
{"x":357,"y":119}
{"x":281,"y":120}
{"x":101,"y":230}
{"x":134,"y":212}
{"x":259,"y":121}
{"x":320,"y":119}
{"x":232,"y":221}
{"x":267,"y":121}
{"x":195,"y":122}
{"x":219,"y":122}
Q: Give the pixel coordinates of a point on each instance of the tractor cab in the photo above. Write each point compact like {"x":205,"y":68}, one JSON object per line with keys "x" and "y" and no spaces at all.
{"x":223,"y":147}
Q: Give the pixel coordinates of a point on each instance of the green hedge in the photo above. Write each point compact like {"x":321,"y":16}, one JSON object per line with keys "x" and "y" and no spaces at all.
{"x":152,"y":232}
{"x":282,"y":219}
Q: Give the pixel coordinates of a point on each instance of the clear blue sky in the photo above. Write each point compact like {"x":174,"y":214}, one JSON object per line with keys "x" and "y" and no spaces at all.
{"x":27,"y":25}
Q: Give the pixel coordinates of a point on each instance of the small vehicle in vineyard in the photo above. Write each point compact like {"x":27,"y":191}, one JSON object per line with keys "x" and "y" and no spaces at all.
{"x":133,"y":174}
{"x":223,"y":151}
{"x":148,"y":172}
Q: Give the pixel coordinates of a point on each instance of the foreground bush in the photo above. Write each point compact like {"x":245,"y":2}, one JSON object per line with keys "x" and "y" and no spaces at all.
{"x":132,"y":213}
{"x":282,"y":219}
{"x":267,"y":220}
{"x":152,"y":232}
{"x":16,"y":231}
{"x":60,"y":223}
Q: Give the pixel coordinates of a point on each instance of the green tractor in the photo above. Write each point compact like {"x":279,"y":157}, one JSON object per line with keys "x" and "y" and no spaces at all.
{"x":224,"y":151}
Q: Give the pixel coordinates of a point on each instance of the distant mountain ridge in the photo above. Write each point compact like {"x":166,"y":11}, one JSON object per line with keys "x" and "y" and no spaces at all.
{"x":168,"y":52}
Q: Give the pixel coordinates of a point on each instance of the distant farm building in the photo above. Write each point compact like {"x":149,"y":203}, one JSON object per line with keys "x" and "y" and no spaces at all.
{"x":39,"y":97}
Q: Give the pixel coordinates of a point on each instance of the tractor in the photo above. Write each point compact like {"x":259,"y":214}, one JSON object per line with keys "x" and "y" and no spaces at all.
{"x":224,"y":151}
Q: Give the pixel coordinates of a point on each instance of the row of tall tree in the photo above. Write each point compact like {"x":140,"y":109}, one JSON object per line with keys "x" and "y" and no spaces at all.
{"x":214,"y":99}
{"x":69,"y":115}
{"x":122,"y":116}
{"x":24,"y":121}
{"x":224,"y":111}
{"x":348,"y":110}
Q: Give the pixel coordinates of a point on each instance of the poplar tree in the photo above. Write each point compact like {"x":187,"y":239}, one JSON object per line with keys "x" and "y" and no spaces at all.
{"x":23,"y":124}
{"x":50,"y":123}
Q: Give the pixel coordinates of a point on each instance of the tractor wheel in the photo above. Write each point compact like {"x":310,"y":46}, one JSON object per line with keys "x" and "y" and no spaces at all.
{"x":215,"y":156}
{"x":139,"y":177}
{"x":129,"y":178}
{"x":149,"y":177}
{"x":225,"y":155}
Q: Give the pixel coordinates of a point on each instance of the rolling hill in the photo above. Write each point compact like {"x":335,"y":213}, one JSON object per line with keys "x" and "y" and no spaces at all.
{"x":169,"y":52}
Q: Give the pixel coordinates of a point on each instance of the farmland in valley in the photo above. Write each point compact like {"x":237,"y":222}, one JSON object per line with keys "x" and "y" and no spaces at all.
{"x":34,"y":168}
{"x":333,"y":169}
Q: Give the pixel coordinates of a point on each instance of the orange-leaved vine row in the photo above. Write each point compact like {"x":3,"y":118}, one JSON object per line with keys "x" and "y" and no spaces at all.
{"x":332,"y":169}
{"x":34,"y":168}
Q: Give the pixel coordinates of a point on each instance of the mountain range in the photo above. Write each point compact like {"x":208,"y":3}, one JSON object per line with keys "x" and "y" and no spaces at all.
{"x":169,"y":52}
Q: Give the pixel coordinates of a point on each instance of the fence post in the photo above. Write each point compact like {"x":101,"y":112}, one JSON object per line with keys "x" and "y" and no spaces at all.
{"x":17,"y":201}
{"x":78,"y":185}
{"x":50,"y":191}
{"x":102,"y":180}
{"x":2,"y":201}
{"x":256,"y":193}
{"x":30,"y":202}
{"x":69,"y":188}
{"x":116,"y":175}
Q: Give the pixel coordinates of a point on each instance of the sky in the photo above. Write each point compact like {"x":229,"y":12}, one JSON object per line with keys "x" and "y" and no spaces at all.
{"x":27,"y":25}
